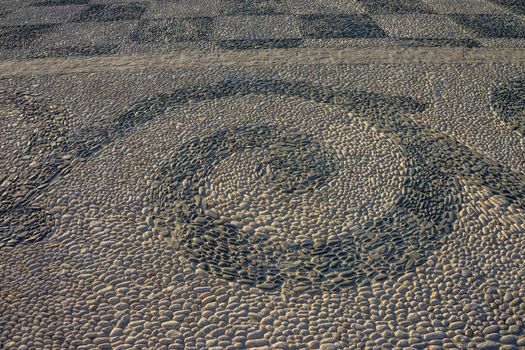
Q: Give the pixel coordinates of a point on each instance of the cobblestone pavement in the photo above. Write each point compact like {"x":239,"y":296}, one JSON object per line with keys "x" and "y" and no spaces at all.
{"x":276,"y":174}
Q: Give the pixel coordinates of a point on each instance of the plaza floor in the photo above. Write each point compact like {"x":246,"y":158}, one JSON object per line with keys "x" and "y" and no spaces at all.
{"x":277,"y":174}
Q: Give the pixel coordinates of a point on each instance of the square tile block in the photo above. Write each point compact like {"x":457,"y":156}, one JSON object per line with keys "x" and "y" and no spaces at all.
{"x":340,"y":26}
{"x":253,"y":7}
{"x":311,"y":7}
{"x":248,"y":44}
{"x":173,"y":30}
{"x":90,"y":34}
{"x":415,"y":25}
{"x":110,"y":12}
{"x":493,"y":26}
{"x":516,"y":6}
{"x":60,"y":2}
{"x":462,"y":6}
{"x":394,"y":6}
{"x":181,"y":8}
{"x":256,"y":27}
{"x":42,"y":15}
{"x":15,"y":37}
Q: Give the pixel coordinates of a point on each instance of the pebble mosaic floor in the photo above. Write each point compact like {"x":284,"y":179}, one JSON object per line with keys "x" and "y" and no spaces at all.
{"x":276,"y":174}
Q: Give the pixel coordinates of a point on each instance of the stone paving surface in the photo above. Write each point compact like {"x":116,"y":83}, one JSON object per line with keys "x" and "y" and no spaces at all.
{"x":277,"y":174}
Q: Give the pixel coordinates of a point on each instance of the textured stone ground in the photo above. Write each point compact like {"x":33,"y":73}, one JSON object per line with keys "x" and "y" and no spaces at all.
{"x":276,"y":174}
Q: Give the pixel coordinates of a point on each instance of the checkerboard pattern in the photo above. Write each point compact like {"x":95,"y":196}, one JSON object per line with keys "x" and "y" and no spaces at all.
{"x":92,"y":27}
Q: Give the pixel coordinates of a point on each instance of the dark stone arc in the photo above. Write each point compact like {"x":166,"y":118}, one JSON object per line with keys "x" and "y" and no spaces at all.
{"x":508,"y":102}
{"x":356,"y":101}
{"x":205,"y":238}
{"x":57,"y":149}
{"x":22,"y":221}
{"x":229,"y":251}
{"x":386,"y":113}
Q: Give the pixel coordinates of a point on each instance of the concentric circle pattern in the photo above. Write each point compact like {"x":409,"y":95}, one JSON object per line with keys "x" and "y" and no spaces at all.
{"x":294,"y":164}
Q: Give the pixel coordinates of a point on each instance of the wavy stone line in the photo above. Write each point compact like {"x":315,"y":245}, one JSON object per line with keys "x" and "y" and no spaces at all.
{"x":508,"y":101}
{"x":21,"y":220}
{"x":52,"y":149}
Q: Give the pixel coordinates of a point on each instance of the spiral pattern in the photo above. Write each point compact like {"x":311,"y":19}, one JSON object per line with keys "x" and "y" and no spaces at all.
{"x":297,"y":166}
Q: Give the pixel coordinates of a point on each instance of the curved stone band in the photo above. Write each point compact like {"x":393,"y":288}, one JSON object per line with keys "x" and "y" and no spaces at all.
{"x":508,"y":101}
